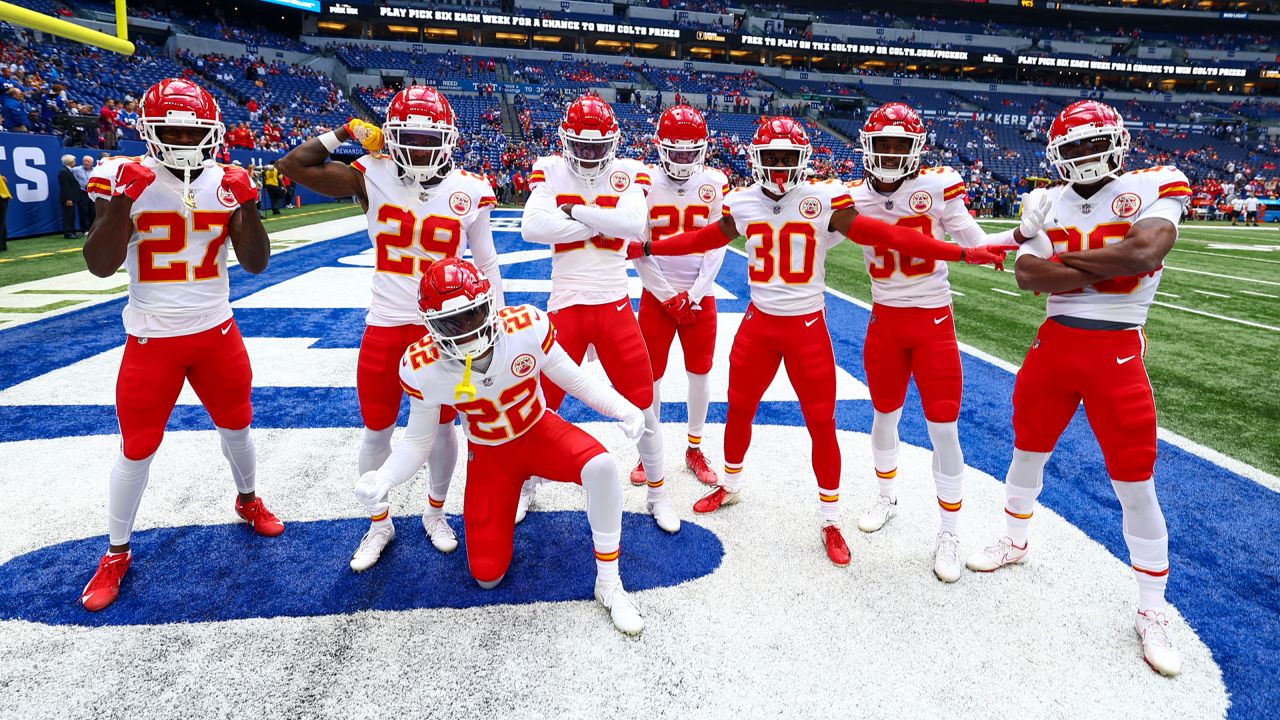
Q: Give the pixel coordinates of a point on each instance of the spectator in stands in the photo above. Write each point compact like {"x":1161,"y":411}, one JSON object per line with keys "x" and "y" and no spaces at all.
{"x":84,"y":205}
{"x":127,"y":120}
{"x":271,"y":179}
{"x":108,"y":133}
{"x":15,"y":111}
{"x":252,"y":107}
{"x":68,"y":193}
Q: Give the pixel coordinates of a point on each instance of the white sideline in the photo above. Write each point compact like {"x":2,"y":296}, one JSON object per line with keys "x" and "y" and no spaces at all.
{"x":1219,"y":275}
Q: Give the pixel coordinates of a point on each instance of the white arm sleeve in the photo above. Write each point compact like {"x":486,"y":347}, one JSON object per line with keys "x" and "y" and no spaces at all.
{"x":480,"y":239}
{"x":544,"y":223}
{"x":411,"y":453}
{"x":652,"y":278}
{"x":961,"y":226}
{"x":625,"y":221}
{"x":1038,"y":246}
{"x":711,"y":263}
{"x":596,"y":395}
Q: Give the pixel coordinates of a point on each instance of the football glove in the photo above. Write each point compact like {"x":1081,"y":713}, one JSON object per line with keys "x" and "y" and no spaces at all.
{"x":238,"y":182}
{"x":366,"y":133}
{"x":132,"y":179}
{"x":987,"y":255}
{"x":632,"y":424}
{"x":372,"y":492}
{"x":1036,"y":206}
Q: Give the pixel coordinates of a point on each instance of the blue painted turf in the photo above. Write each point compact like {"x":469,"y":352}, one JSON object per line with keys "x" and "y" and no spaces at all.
{"x":1225,"y":575}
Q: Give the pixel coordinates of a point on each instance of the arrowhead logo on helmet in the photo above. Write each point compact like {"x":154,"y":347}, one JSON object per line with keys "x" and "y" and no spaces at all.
{"x":421,"y":133}
{"x":455,"y":301}
{"x":892,"y":142}
{"x":589,"y":137}
{"x":1087,"y":142}
{"x":682,"y":142}
{"x":779,"y":154}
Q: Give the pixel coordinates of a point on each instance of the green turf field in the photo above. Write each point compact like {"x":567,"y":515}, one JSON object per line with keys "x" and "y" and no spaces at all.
{"x":1212,"y":376}
{"x":49,"y":255}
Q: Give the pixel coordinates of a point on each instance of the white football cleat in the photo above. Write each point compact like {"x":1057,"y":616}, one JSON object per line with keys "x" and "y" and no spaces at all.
{"x":1157,"y":647}
{"x":438,"y":530}
{"x":946,"y":557}
{"x":996,"y":556}
{"x":372,"y":544}
{"x":527,"y":491}
{"x":878,"y":514}
{"x":622,"y":611}
{"x":664,"y":514}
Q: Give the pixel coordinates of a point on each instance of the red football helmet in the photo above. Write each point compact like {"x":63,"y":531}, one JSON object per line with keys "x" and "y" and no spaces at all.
{"x":589,"y":137}
{"x":1084,"y":122}
{"x":892,"y":120}
{"x":455,"y":301}
{"x":175,"y":103}
{"x":682,"y":141}
{"x":779,"y":133}
{"x":421,"y":132}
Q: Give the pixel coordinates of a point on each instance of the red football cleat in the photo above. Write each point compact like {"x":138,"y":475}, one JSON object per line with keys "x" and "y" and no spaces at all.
{"x":697,"y":462}
{"x":716,"y":499}
{"x":104,"y":588}
{"x":637,"y":475}
{"x":259,"y":518}
{"x":836,"y":547}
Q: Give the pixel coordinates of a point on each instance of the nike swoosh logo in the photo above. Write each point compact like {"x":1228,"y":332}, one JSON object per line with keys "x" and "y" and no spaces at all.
{"x":938,"y":321}
{"x":623,"y":305}
{"x":227,"y":328}
{"x":811,"y":322}
{"x":1121,"y":361}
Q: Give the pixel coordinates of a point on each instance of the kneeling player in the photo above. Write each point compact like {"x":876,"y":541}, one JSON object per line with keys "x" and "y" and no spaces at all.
{"x":487,"y":364}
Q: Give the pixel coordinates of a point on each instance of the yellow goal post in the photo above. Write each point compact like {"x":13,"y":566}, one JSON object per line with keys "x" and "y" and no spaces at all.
{"x":63,"y":28}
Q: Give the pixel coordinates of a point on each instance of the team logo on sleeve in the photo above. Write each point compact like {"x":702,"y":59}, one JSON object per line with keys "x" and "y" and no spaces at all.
{"x":226,"y":197}
{"x":619,"y":181}
{"x":920,"y":202}
{"x":522,"y":365}
{"x":811,"y":207}
{"x":706,"y":193}
{"x":1126,"y":205}
{"x":460,"y":202}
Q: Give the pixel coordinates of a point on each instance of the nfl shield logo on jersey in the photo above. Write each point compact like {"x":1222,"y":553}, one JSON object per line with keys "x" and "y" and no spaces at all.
{"x":920,"y":202}
{"x":810,"y":207}
{"x":522,"y":365}
{"x":619,"y":181}
{"x":706,"y":193}
{"x":1126,"y":205}
{"x":460,"y":202}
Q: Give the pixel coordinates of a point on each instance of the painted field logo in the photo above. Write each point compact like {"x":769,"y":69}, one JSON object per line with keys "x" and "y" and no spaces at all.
{"x":1126,"y":205}
{"x":706,"y":193}
{"x":810,"y":207}
{"x":619,"y":181}
{"x":460,"y":202}
{"x":920,"y":202}
{"x":522,"y":365}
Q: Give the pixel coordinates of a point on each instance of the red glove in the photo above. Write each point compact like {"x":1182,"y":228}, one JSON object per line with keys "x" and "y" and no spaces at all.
{"x":987,"y":255}
{"x":132,"y":178}
{"x":680,"y":308}
{"x":635,"y":249}
{"x":238,"y":182}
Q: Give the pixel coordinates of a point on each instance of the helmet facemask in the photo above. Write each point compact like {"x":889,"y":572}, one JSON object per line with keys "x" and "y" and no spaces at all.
{"x":464,"y":327}
{"x":778,"y":176}
{"x":884,"y":156}
{"x":197,"y":149}
{"x":421,"y":147}
{"x":588,"y":155}
{"x":682,"y":159}
{"x":1080,"y":158}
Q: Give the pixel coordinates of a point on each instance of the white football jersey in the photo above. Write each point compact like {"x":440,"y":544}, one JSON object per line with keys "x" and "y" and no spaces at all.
{"x":1076,"y":223}
{"x":587,"y":272}
{"x":508,"y":396}
{"x":412,"y":227}
{"x":177,"y":256}
{"x":932,"y":202}
{"x":676,"y":207}
{"x":787,"y":243}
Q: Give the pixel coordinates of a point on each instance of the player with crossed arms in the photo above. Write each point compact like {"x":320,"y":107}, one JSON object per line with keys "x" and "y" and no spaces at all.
{"x":790,"y":224}
{"x":912,"y":330}
{"x":1100,"y":257}
{"x":487,"y":362}
{"x":420,"y":209}
{"x":168,"y":216}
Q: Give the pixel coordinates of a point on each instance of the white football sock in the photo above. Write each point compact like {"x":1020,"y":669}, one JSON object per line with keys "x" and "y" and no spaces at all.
{"x":604,"y":513}
{"x":128,"y":481}
{"x":699,"y":401}
{"x":650,"y":447}
{"x":1021,"y":488}
{"x":884,"y":449}
{"x":948,"y":472}
{"x":375,"y":448}
{"x":237,"y":447}
{"x":1147,"y":536}
{"x":657,"y":398}
{"x":440,"y":466}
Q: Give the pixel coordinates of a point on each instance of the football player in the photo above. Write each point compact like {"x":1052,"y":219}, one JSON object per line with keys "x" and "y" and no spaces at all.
{"x":790,"y":224}
{"x":420,"y":209}
{"x":678,"y":291}
{"x":487,"y":362}
{"x":1101,"y":257}
{"x":586,"y":204}
{"x":912,"y":329}
{"x":168,"y":216}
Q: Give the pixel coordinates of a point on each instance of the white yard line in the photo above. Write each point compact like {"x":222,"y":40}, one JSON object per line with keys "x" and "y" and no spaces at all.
{"x":1233,"y":257}
{"x":1261,"y":295}
{"x":1219,"y":275}
{"x":957,"y":293}
{"x":1005,"y":292}
{"x":1217,"y":317}
{"x":1211,"y":294}
{"x":1166,"y":294}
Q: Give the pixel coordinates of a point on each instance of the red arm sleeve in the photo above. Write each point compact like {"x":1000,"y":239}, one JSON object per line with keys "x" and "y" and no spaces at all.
{"x":866,"y":230}
{"x":700,"y":240}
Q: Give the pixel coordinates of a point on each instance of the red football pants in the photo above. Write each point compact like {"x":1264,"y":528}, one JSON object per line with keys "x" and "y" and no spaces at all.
{"x":803,"y":342}
{"x":907,"y":341}
{"x":613,"y":330}
{"x":378,"y":374}
{"x":553,"y":449}
{"x":697,"y":339}
{"x":1105,"y":370}
{"x":152,"y":371}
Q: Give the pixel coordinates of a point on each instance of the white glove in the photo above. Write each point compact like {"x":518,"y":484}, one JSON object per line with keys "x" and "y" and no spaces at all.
{"x":1035,"y":208}
{"x":372,"y":493}
{"x":632,"y":424}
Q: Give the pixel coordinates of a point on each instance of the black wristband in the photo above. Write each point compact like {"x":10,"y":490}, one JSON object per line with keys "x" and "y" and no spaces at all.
{"x":648,"y":248}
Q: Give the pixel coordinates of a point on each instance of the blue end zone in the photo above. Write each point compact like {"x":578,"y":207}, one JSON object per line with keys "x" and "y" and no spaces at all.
{"x":202,"y":573}
{"x":1225,"y":575}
